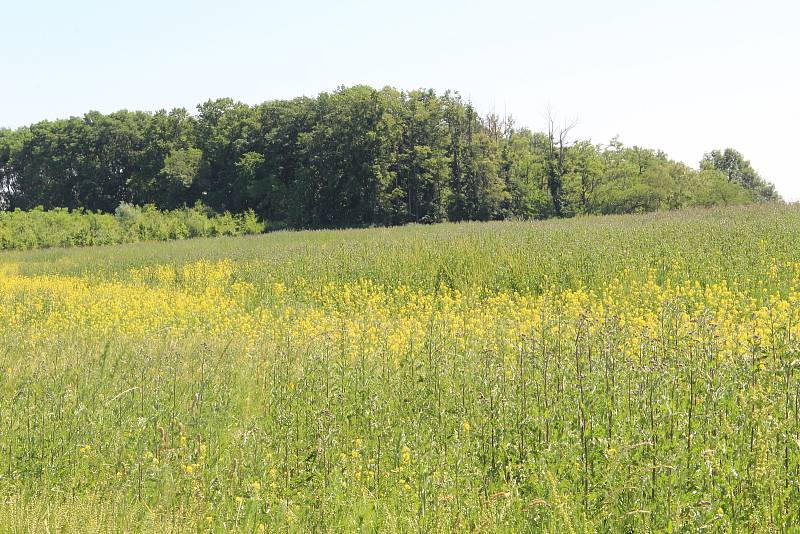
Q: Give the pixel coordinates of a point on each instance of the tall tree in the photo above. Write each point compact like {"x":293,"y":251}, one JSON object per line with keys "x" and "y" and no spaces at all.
{"x":357,"y":156}
{"x":168,"y":142}
{"x":275,"y":190}
{"x":478,"y":190}
{"x":348,"y":158}
{"x":225,"y":131}
{"x":523,"y":169}
{"x":421,"y":188}
{"x":7,"y":178}
{"x":739,"y":171}
{"x":556,"y":160}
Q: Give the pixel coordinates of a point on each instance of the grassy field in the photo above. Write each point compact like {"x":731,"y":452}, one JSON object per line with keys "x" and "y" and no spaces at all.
{"x":620,"y":374}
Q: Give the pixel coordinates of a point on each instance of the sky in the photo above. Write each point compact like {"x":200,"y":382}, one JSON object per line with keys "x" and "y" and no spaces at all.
{"x":682,"y":76}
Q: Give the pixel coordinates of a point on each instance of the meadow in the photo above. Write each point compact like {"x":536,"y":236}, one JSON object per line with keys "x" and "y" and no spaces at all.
{"x":602,"y":374}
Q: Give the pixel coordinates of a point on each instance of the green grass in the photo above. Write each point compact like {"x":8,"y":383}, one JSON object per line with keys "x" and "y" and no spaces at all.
{"x":732,"y":244}
{"x":580,"y":422}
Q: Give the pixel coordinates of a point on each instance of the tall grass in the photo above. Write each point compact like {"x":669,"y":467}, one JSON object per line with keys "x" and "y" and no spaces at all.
{"x":620,"y":374}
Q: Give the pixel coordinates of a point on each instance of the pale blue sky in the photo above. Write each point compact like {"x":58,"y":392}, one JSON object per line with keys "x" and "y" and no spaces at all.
{"x":683,"y":76}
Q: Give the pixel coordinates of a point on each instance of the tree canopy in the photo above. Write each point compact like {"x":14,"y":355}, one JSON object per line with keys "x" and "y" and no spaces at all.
{"x":353,"y":157}
{"x":739,"y":171}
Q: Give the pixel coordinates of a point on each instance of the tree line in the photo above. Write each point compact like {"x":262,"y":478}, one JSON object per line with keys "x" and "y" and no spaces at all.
{"x":353,"y":157}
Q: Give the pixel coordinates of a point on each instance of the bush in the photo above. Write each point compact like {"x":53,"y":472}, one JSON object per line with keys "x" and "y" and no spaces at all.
{"x":37,"y":228}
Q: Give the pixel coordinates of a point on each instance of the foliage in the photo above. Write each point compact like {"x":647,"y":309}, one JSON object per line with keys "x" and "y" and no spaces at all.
{"x":611,"y":374}
{"x":354,"y":157}
{"x":38,"y":228}
{"x":739,"y":171}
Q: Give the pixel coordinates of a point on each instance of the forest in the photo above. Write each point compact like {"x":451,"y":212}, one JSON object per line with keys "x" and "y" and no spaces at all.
{"x":353,"y":157}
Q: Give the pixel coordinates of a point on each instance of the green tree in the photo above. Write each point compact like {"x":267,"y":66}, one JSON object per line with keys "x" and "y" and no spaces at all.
{"x":421,"y":186}
{"x":478,"y":190}
{"x":523,"y":169}
{"x":739,"y":170}
{"x":166,"y":133}
{"x":275,"y":190}
{"x":348,"y":158}
{"x":556,"y":163}
{"x":180,"y":171}
{"x":357,"y":156}
{"x":225,"y":131}
{"x":7,"y":179}
{"x":584,"y":174}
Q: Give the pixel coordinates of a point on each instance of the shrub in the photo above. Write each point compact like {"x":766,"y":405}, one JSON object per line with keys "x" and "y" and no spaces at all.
{"x":37,"y":228}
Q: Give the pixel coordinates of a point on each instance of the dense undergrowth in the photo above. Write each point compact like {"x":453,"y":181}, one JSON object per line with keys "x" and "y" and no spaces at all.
{"x":24,"y":230}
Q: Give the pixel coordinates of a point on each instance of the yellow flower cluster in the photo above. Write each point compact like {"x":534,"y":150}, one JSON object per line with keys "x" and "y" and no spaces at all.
{"x":365,"y":319}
